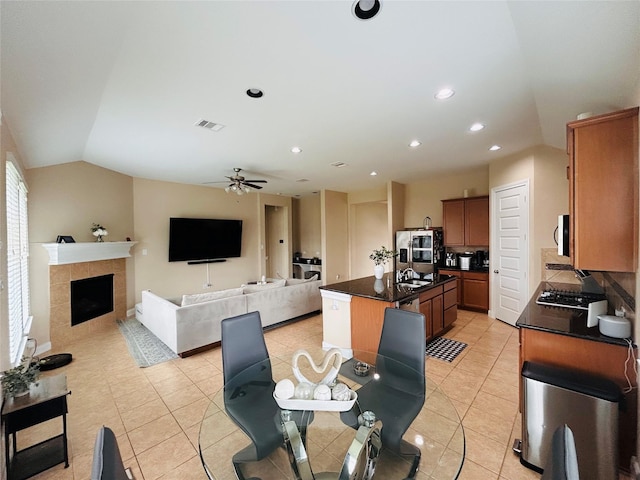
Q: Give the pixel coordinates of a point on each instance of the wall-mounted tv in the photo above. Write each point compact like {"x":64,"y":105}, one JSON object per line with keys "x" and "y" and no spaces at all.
{"x":192,"y":239}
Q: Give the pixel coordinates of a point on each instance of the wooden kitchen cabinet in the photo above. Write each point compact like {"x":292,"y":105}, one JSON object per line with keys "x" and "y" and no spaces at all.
{"x":431,"y":306}
{"x":475,"y":290}
{"x":465,"y":222}
{"x":603,"y":191}
{"x":472,"y":289}
{"x":450,"y":303}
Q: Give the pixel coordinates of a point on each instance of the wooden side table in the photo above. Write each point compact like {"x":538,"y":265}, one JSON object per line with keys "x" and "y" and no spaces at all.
{"x":47,"y":399}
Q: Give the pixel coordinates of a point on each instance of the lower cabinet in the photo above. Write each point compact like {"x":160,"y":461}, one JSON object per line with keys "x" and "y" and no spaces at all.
{"x":439,"y":307}
{"x":473,"y":289}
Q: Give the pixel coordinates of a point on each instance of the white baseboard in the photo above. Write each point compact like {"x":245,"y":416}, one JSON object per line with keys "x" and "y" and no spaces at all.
{"x":43,"y":348}
{"x":347,"y":353}
{"x":131,"y":312}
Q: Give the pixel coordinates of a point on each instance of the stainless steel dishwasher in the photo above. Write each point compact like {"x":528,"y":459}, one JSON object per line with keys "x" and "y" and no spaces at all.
{"x":411,"y":303}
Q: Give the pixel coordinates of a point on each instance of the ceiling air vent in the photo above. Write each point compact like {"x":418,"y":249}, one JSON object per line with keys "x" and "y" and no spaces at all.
{"x":302,"y":180}
{"x":215,"y":127}
{"x":338,"y":164}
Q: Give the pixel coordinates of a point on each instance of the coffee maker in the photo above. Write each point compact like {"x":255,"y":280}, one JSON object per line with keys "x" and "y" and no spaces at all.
{"x":481,"y":258}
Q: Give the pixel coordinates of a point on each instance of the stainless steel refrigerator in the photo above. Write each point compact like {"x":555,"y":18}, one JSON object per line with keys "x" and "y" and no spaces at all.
{"x":421,"y":250}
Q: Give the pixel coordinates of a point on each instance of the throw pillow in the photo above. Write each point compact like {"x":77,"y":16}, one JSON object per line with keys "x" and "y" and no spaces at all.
{"x":259,"y":288}
{"x":296,"y":281}
{"x":207,"y":297}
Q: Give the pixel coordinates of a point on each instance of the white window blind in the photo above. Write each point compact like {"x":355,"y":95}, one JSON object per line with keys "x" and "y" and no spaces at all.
{"x":17,"y":262}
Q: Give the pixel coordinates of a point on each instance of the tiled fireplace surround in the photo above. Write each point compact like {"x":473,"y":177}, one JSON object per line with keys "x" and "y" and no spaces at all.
{"x":60,"y":277}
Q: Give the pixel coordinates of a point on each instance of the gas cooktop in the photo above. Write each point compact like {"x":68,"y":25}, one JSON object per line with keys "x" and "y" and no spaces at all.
{"x":568,"y":299}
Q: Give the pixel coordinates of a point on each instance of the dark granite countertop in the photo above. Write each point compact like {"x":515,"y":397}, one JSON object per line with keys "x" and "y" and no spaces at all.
{"x":472,"y":269}
{"x":564,"y":321}
{"x":368,"y":287}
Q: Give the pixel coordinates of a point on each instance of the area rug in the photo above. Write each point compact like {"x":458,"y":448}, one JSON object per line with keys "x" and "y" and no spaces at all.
{"x":445,"y":349}
{"x":145,"y":348}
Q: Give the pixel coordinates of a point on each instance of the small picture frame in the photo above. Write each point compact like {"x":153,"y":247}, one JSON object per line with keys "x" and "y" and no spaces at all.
{"x":65,"y":239}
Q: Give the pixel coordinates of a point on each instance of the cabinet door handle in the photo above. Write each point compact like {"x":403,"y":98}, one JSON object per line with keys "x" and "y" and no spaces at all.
{"x":496,"y":271}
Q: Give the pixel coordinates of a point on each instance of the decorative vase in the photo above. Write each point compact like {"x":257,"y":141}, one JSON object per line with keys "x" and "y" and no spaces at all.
{"x":99,"y":239}
{"x":378,"y":286}
{"x":22,"y":392}
{"x":378,"y":271}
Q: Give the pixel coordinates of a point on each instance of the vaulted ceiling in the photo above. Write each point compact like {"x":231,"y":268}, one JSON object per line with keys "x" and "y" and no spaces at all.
{"x":122,"y":85}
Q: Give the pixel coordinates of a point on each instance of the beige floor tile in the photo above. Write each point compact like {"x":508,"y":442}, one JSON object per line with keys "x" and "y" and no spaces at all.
{"x":157,"y":412}
{"x":166,"y":456}
{"x":153,"y":433}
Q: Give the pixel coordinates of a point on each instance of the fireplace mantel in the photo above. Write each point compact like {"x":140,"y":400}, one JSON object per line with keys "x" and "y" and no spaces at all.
{"x":65,"y":253}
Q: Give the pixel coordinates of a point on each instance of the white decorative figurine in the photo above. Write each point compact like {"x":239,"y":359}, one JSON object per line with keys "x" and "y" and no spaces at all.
{"x":322,"y":392}
{"x":341,"y":392}
{"x":304,"y":391}
{"x":285,"y":389}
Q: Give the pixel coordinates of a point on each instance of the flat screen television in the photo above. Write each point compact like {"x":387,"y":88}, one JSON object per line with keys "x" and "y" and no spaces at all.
{"x":193,"y":239}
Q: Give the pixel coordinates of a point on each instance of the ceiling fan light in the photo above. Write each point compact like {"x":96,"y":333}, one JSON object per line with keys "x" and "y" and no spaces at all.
{"x":227,"y":189}
{"x":246,"y":189}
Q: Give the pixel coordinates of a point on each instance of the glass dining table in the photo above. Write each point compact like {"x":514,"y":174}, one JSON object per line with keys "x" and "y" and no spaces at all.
{"x":315,"y":443}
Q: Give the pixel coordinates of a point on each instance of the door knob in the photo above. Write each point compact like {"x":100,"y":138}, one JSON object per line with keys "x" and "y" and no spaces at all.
{"x":496,"y":271}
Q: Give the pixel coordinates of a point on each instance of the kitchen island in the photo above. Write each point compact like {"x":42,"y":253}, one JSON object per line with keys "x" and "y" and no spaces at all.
{"x":559,"y":337}
{"x":353,"y":311}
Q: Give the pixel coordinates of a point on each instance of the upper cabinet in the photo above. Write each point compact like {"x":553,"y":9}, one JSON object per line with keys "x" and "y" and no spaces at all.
{"x":466,"y":222}
{"x":603,"y":191}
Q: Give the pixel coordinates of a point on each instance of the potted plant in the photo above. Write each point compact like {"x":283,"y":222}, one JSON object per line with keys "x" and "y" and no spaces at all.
{"x":99,"y":231}
{"x":380,"y":257}
{"x":16,"y":381}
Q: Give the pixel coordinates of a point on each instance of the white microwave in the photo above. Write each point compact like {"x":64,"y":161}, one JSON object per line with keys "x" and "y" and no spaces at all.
{"x":563,"y":235}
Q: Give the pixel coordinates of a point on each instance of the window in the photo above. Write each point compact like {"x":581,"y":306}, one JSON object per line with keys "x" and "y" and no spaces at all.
{"x":17,"y":263}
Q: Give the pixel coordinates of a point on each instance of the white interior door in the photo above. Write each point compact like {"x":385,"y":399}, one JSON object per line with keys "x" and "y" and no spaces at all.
{"x":510,"y":250}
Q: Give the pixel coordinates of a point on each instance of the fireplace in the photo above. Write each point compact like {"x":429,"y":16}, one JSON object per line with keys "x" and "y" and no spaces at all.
{"x":91,"y":298}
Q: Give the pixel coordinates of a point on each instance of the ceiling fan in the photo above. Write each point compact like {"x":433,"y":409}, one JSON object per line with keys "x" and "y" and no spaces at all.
{"x":239,"y":184}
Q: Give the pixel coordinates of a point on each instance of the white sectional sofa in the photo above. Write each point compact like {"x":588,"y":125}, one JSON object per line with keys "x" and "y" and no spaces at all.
{"x":188,"y":324}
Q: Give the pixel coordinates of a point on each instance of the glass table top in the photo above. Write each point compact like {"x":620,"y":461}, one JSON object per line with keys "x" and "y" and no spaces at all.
{"x":436,"y":430}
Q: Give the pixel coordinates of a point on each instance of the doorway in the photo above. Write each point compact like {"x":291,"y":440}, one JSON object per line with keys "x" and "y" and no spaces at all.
{"x":276,"y":241}
{"x":509,"y":250}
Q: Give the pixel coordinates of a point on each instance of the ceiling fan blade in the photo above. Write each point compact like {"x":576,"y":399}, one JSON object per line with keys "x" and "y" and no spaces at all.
{"x":255,"y":181}
{"x":257,"y":187}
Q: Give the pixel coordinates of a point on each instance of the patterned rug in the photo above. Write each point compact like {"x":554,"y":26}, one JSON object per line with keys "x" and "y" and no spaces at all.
{"x":145,"y":348}
{"x":445,"y":349}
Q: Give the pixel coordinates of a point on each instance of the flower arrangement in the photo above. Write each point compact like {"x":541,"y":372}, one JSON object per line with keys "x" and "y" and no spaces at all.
{"x":99,"y":231}
{"x":17,"y":380}
{"x":382,"y":256}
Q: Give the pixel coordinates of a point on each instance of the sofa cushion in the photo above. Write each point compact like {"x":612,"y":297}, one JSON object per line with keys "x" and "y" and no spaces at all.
{"x":207,"y":297}
{"x":260,"y":288}
{"x":296,"y":281}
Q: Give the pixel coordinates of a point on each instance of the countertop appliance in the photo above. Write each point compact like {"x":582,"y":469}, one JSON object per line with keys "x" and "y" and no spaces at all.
{"x":465,"y":260}
{"x":420,"y":250}
{"x":450,"y":260}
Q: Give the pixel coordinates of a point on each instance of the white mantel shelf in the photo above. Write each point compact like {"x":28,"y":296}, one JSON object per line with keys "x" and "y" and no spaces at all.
{"x":65,"y":253}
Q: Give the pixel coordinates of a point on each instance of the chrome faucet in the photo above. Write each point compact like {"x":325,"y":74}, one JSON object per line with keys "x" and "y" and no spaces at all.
{"x":403,"y":275}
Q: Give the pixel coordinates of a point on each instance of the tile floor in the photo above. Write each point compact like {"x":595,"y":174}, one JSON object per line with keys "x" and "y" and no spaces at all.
{"x":156,"y":412}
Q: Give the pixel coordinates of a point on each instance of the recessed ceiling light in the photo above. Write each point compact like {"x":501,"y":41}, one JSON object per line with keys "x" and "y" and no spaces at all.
{"x":476,"y":127}
{"x":493,"y":148}
{"x":415,"y":143}
{"x":365,"y":9}
{"x":255,"y":93}
{"x":373,"y":174}
{"x":445,"y":93}
{"x":296,"y":149}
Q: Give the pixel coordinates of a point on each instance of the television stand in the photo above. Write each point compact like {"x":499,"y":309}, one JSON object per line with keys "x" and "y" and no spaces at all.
{"x":199,"y":262}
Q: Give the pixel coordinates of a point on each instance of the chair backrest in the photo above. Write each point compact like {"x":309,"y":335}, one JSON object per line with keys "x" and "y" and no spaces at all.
{"x":403,"y":339}
{"x":107,"y":462}
{"x":243,"y":343}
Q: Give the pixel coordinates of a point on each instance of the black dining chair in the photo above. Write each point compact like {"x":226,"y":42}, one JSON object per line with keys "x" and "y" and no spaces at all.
{"x":107,"y":462}
{"x":397,"y":394}
{"x":248,"y":387}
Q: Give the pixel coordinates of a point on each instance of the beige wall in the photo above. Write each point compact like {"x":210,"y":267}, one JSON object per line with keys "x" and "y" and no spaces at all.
{"x":283,"y":252}
{"x":368,"y":227}
{"x":335,"y":247}
{"x":423,"y":199}
{"x":66,"y":200}
{"x":155,"y":202}
{"x":306,"y":225}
